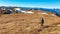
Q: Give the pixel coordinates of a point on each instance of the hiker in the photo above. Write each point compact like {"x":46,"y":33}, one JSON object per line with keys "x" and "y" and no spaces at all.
{"x":42,"y":21}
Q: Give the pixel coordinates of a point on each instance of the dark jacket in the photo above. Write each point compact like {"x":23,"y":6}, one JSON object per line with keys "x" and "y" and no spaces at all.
{"x":42,"y":21}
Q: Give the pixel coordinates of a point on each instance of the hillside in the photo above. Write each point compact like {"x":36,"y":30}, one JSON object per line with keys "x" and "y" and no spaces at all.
{"x":29,"y":24}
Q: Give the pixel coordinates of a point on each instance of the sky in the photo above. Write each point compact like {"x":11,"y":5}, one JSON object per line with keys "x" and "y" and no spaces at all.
{"x":31,"y":3}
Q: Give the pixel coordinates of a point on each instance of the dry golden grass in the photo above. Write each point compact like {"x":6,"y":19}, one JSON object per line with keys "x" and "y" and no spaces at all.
{"x":28,"y":24}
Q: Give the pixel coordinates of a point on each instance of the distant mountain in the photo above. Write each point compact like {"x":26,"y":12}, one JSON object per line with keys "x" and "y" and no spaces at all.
{"x":55,"y":11}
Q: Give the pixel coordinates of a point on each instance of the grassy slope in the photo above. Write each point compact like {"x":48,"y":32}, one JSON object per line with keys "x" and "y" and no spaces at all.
{"x":28,"y":24}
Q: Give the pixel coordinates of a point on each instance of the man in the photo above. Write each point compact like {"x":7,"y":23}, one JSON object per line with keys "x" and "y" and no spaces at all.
{"x":42,"y":21}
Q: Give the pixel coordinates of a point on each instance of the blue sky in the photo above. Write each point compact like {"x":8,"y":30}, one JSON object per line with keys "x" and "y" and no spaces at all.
{"x":31,"y":3}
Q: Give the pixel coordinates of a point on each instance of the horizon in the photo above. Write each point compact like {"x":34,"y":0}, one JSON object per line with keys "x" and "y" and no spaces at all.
{"x":31,"y":3}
